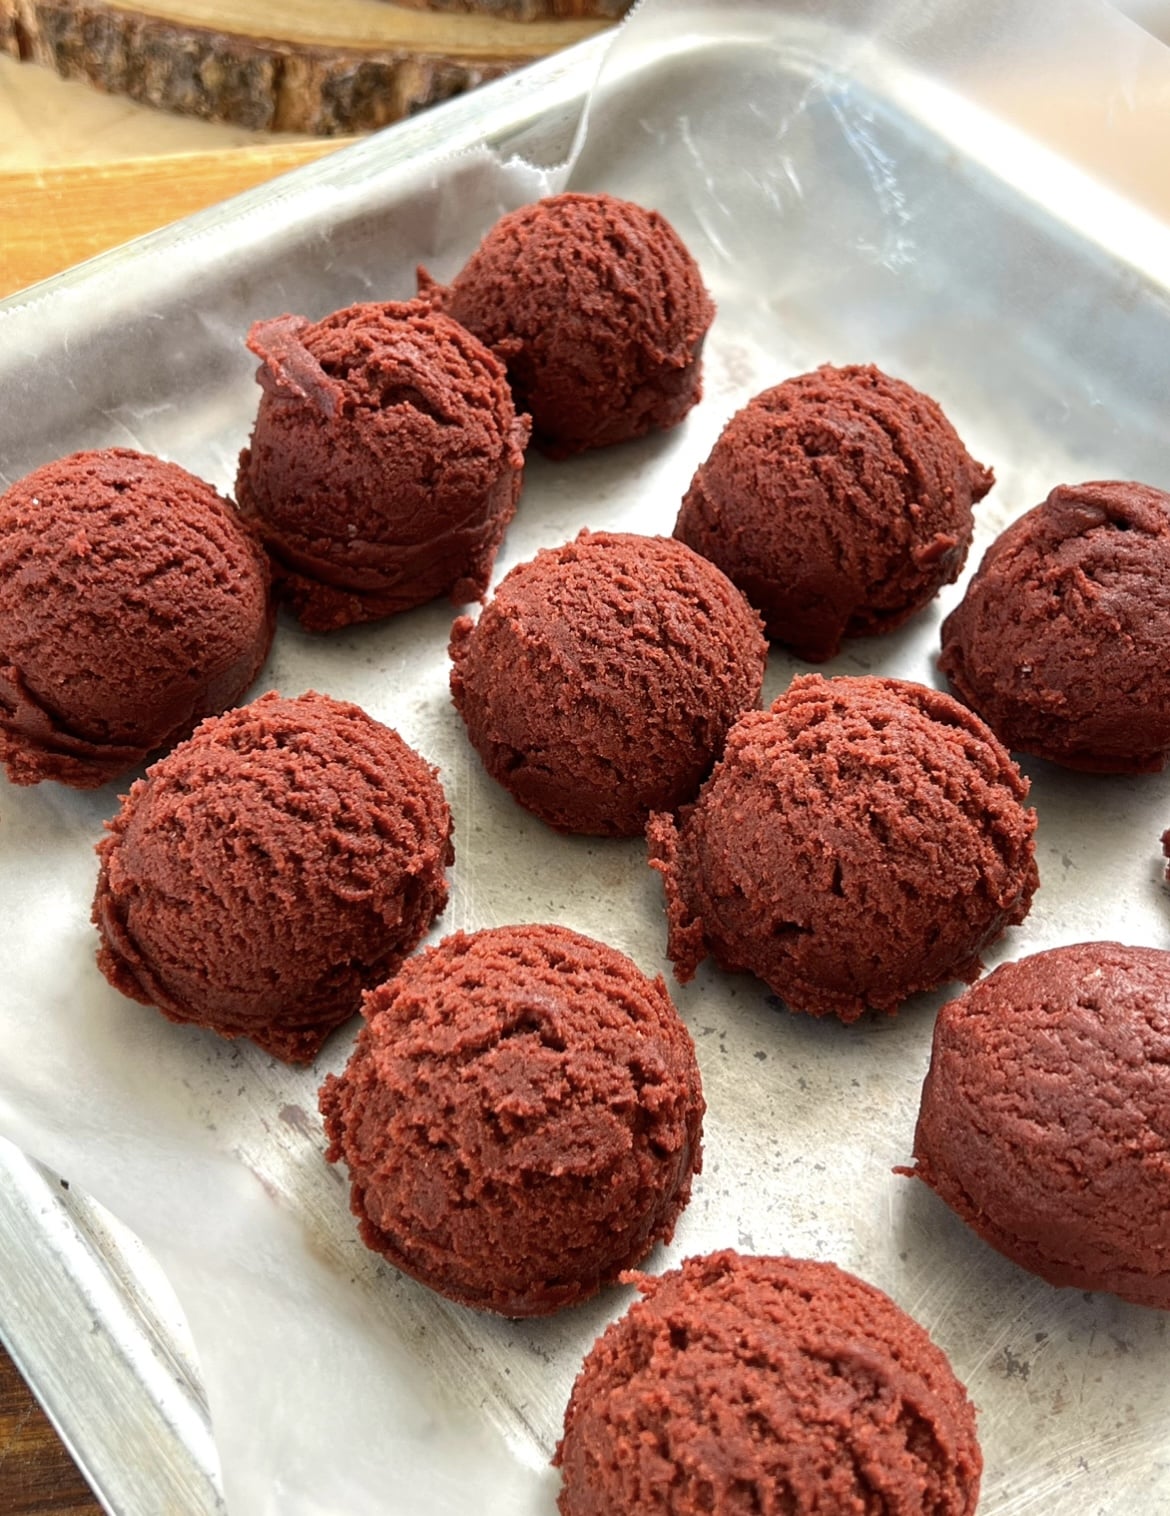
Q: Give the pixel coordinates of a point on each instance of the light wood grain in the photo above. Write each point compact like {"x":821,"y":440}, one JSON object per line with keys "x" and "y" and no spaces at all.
{"x":304,"y":66}
{"x":55,"y":217}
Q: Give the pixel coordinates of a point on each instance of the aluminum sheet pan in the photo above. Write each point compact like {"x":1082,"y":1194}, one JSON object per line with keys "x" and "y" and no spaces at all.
{"x":849,"y":207}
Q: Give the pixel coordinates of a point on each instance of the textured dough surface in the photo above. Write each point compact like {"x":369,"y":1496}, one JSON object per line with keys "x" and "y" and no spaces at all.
{"x":1062,"y":641}
{"x":270,"y":869}
{"x":521,"y":1118}
{"x":839,"y":502}
{"x":862,"y":840}
{"x":599,"y":312}
{"x":755,"y":1386}
{"x":600,"y":682}
{"x":385,"y":463}
{"x":132,"y":604}
{"x":1045,"y":1118}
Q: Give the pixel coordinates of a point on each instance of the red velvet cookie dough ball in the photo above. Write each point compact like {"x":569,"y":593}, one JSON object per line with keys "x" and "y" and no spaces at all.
{"x":1045,"y":1118}
{"x":521,"y":1118}
{"x":385,"y":462}
{"x":839,"y":502}
{"x":741,"y":1385}
{"x":267,"y":871}
{"x":597,"y":309}
{"x":862,"y":840}
{"x":1061,"y":641}
{"x":601,"y":681}
{"x":133,"y":603}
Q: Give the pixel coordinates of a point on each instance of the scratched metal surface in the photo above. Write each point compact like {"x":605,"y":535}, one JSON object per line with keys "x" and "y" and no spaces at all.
{"x":905,"y":241}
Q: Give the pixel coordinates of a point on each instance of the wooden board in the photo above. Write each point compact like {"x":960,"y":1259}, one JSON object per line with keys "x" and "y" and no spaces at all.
{"x":320,"y":66}
{"x":54,"y":218}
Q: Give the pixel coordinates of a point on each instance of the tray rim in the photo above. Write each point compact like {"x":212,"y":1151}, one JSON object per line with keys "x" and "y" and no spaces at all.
{"x":95,"y":1354}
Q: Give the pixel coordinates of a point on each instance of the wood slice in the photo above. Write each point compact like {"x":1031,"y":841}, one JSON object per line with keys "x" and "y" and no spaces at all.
{"x":528,"y":10}
{"x":321,"y":66}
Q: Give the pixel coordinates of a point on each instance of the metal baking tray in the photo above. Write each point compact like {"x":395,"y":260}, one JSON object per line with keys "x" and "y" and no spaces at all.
{"x":1040,"y":317}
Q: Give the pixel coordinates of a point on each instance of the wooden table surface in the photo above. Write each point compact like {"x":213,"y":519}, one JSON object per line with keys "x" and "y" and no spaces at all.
{"x":37,"y":1476}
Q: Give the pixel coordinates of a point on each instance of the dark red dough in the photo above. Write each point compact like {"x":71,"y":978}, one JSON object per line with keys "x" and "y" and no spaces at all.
{"x":600,"y":682}
{"x":133,"y":603}
{"x":385,"y":462}
{"x":597,"y":309}
{"x":521,"y":1118}
{"x":862,"y":840}
{"x":839,"y":502}
{"x":743,"y":1385}
{"x":270,"y":869}
{"x":1062,"y":641}
{"x":1045,"y":1118}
